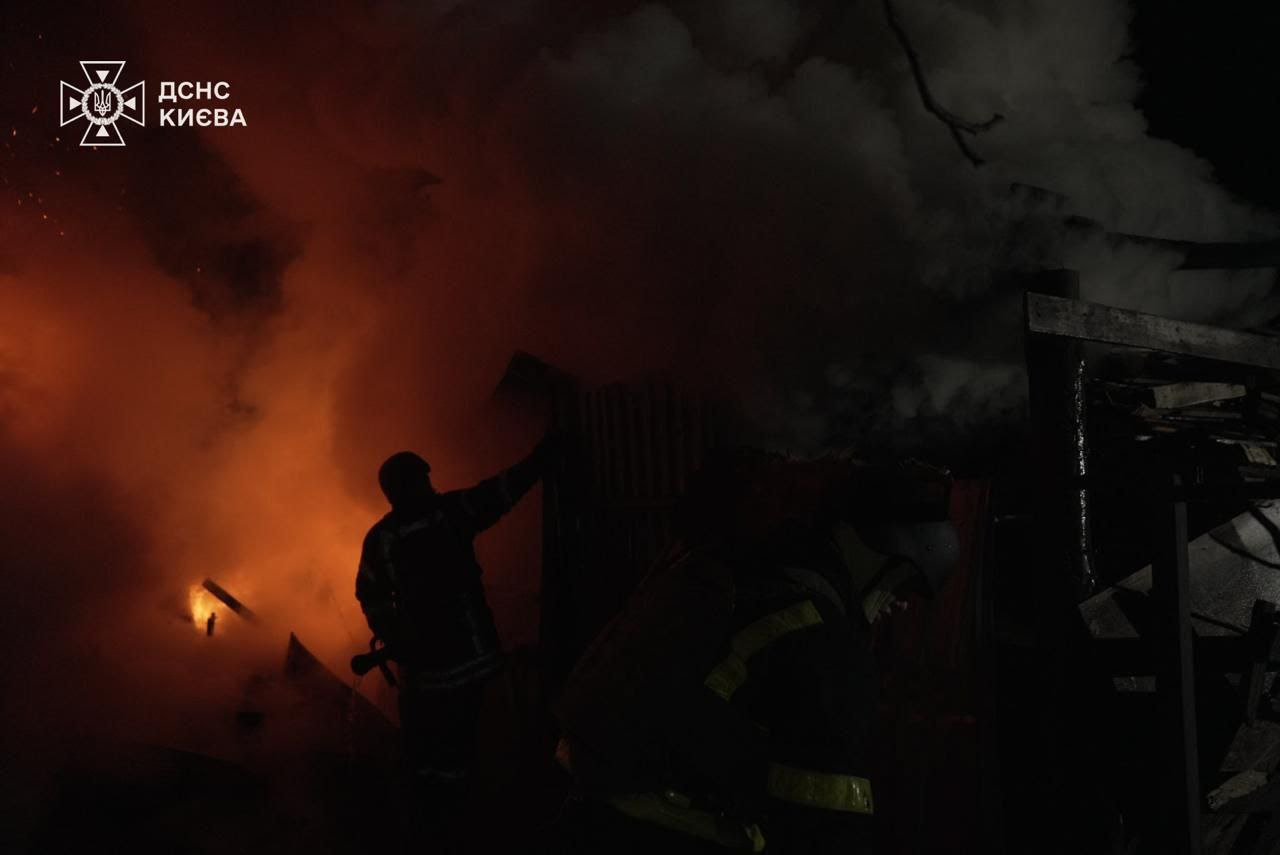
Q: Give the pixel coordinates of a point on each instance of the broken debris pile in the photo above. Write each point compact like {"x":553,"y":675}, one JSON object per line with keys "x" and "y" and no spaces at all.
{"x":1225,"y":422}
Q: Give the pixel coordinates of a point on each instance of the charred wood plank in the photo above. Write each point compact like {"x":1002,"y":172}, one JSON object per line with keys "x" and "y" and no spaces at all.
{"x":1175,"y":676}
{"x":1262,"y":634}
{"x":1226,"y":256}
{"x":1076,"y":319}
{"x":1189,"y":394}
{"x":231,"y":602}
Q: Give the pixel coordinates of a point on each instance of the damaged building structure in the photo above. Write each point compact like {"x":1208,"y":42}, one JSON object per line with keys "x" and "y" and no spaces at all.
{"x":1101,"y":664}
{"x":208,"y":345}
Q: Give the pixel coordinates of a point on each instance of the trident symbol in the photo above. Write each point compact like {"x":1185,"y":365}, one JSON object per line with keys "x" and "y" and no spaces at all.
{"x":109,"y":105}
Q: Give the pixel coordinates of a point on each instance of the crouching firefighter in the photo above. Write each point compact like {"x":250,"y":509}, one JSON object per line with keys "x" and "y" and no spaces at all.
{"x":420,"y":589}
{"x":730,"y":705}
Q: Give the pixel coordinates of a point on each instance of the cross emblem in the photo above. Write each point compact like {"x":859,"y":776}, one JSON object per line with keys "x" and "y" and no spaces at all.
{"x":102,"y":103}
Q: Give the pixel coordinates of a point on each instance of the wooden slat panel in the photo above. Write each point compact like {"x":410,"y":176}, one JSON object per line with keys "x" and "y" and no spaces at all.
{"x":679,"y":440}
{"x":1093,"y":322}
{"x":644,"y":439}
{"x":697,"y":433}
{"x":644,"y":404}
{"x":635,"y":455}
{"x":663,"y":482}
{"x":599,"y":454}
{"x":607,"y":457}
{"x":617,"y":443}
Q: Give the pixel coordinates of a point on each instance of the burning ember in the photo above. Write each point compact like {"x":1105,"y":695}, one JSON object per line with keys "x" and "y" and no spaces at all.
{"x":203,"y":604}
{"x":205,"y":600}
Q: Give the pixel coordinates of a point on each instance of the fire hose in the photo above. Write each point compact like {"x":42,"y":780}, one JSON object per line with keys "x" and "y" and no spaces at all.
{"x":377,"y":657}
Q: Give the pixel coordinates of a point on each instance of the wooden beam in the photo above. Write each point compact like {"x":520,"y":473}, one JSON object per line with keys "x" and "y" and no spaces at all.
{"x":231,"y":602}
{"x":1077,"y":319}
{"x":1217,"y":256}
{"x":1175,"y":679}
{"x":1188,"y":394}
{"x":1262,"y":632}
{"x":1195,"y":255}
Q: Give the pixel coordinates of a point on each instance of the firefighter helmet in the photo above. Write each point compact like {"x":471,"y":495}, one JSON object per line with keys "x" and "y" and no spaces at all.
{"x":932,"y":546}
{"x":403,"y":477}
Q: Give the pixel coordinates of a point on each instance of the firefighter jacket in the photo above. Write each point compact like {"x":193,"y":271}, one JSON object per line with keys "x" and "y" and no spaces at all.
{"x":800,"y":670}
{"x":419,"y":582}
{"x":773,"y":749}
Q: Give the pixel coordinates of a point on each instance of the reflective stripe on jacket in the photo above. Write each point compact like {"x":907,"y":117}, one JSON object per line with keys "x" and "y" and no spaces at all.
{"x":825,"y":789}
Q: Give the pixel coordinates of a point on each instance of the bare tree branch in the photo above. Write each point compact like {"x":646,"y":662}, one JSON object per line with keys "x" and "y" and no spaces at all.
{"x":954,"y":123}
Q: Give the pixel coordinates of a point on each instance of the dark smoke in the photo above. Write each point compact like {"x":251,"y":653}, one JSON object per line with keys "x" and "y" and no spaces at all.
{"x":210,"y":339}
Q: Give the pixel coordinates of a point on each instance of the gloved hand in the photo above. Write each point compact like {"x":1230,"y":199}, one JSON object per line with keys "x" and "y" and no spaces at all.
{"x":388,"y":635}
{"x":385,"y":623}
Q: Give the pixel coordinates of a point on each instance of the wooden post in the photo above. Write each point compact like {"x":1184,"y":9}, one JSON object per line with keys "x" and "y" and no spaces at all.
{"x":1262,"y":634}
{"x":1062,"y":573}
{"x":1055,"y":374}
{"x":1175,"y":676}
{"x":1070,"y":318}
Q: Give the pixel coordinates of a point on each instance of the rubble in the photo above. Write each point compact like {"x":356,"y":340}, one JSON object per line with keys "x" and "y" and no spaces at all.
{"x":1228,"y":573}
{"x":1236,"y":786}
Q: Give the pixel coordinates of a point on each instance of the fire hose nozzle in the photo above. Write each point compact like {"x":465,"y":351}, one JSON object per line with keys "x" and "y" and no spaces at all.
{"x":363,"y":663}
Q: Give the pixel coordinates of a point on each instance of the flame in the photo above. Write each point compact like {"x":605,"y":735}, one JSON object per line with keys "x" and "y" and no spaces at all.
{"x":203,"y":604}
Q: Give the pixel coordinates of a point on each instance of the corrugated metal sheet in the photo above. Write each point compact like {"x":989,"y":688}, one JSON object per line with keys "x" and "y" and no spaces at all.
{"x":638,"y":444}
{"x":644,"y":440}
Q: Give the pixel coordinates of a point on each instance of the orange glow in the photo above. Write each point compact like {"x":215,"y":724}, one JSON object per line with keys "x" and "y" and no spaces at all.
{"x":203,"y":604}
{"x":240,"y":441}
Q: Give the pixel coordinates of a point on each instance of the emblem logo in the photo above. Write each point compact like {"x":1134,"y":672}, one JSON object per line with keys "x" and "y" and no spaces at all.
{"x":102,"y":103}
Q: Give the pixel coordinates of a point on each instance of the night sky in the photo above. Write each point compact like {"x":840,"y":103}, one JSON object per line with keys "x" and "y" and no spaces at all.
{"x":1212,"y":83}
